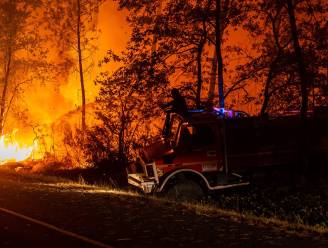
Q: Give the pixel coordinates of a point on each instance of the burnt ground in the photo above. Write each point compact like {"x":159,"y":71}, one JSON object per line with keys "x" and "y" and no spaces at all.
{"x":132,"y":221}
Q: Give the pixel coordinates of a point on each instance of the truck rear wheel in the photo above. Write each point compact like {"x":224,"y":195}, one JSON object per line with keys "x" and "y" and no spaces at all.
{"x":185,"y":190}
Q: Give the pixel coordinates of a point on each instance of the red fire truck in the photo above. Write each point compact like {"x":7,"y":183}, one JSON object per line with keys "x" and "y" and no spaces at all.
{"x":211,"y":150}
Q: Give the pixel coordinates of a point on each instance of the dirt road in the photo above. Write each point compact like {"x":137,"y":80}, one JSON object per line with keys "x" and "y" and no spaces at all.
{"x":123,"y":220}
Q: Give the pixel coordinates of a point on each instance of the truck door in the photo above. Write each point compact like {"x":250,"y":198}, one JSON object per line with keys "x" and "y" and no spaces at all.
{"x":197,"y":149}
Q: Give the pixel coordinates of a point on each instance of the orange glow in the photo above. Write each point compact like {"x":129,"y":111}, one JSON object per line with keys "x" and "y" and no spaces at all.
{"x":12,"y":151}
{"x":64,"y":96}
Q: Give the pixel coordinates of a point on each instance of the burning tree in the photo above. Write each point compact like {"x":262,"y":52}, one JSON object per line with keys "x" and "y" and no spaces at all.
{"x":20,"y":51}
{"x":74,"y":24}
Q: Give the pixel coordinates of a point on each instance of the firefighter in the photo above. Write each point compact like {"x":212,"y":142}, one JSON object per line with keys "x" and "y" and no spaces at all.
{"x":177,"y":105}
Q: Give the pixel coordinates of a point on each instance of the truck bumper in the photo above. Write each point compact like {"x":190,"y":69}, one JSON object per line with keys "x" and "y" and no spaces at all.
{"x":145,"y":184}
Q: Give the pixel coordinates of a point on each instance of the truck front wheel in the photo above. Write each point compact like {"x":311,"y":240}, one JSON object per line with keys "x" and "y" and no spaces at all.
{"x":184,"y":190}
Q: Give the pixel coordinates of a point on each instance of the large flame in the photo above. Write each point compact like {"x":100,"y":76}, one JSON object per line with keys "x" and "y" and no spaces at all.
{"x":12,"y":151}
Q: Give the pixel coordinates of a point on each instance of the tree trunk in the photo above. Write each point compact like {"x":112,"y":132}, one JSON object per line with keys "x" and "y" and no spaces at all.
{"x":121,"y":138}
{"x":266,"y":93}
{"x":4,"y":92}
{"x":300,"y":62}
{"x":199,"y":73}
{"x":213,"y":79}
{"x":79,"y":50}
{"x":218,"y":43}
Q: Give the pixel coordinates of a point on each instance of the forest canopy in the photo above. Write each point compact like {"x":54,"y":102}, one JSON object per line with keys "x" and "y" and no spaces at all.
{"x":264,"y":57}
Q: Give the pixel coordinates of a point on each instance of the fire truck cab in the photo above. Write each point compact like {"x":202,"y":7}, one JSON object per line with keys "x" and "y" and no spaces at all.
{"x":189,"y":159}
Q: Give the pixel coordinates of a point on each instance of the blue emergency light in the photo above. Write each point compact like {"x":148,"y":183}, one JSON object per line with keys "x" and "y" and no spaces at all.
{"x":223,"y":112}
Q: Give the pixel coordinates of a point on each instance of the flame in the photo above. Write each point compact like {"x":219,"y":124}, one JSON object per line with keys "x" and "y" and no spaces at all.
{"x":12,"y":151}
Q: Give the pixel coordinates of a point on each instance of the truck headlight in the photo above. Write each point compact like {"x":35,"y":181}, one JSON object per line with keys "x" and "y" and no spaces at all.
{"x":160,"y":172}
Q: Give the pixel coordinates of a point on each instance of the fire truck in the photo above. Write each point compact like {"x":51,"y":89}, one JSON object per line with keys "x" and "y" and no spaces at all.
{"x":212,"y":150}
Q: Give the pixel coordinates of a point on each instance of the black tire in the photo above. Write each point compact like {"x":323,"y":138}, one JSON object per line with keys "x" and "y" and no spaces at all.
{"x":184,"y":190}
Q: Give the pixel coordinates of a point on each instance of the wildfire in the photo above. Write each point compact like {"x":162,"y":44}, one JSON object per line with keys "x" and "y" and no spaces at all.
{"x":12,"y":151}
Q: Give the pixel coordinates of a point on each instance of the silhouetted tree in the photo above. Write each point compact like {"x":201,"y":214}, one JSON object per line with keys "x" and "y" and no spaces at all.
{"x":74,"y":24}
{"x":185,"y":32}
{"x":275,"y":63}
{"x":265,"y":26}
{"x":302,"y":69}
{"x":125,"y":105}
{"x":20,"y":50}
{"x":228,"y":13}
{"x":188,"y":28}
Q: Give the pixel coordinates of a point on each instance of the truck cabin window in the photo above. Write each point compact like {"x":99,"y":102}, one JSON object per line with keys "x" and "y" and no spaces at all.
{"x":175,"y":125}
{"x":195,"y":136}
{"x":203,"y":135}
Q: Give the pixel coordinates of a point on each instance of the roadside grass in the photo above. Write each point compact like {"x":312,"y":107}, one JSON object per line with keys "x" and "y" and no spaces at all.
{"x":32,"y":176}
{"x":211,"y":209}
{"x":249,"y":217}
{"x":301,"y":205}
{"x":44,"y":182}
{"x":255,"y":207}
{"x":63,"y":183}
{"x":78,"y":186}
{"x":294,"y":223}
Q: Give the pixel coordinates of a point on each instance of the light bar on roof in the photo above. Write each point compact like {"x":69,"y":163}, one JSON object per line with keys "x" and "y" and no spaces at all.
{"x":196,"y":111}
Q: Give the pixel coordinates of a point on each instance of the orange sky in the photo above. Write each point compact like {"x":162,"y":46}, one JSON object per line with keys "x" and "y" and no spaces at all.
{"x":114,"y":28}
{"x":48,"y":102}
{"x":114,"y":35}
